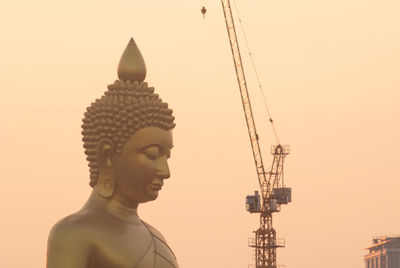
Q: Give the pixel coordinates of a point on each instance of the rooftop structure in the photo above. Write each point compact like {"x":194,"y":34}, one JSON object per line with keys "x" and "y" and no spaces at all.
{"x":384,"y":252}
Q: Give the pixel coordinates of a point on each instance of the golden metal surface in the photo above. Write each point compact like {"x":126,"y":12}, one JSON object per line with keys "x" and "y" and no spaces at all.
{"x":131,"y":65}
{"x":107,"y":232}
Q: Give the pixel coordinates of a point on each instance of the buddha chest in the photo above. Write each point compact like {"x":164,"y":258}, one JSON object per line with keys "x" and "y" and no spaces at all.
{"x":132,"y":246}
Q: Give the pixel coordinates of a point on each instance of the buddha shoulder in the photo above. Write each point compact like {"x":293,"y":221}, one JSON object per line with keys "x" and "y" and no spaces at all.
{"x":70,"y":242}
{"x":76,"y":226}
{"x":84,"y":224}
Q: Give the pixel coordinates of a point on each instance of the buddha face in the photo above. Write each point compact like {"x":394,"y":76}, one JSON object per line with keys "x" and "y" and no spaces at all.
{"x":141,"y":168}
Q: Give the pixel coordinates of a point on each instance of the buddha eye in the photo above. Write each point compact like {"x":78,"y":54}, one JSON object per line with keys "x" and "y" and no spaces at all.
{"x":152,"y":152}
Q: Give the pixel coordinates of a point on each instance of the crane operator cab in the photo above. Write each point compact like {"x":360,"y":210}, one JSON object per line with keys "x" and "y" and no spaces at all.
{"x":279,"y":196}
{"x":282,"y":195}
{"x":253,"y":203}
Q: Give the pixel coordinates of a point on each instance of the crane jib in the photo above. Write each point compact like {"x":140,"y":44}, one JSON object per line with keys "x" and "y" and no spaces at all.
{"x":244,"y":92}
{"x":273,"y":192}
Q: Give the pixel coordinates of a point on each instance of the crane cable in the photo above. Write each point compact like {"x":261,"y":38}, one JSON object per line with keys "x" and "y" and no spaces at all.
{"x":256,"y":73}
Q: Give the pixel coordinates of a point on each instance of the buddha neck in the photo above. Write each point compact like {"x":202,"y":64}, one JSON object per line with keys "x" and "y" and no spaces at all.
{"x":114,"y":208}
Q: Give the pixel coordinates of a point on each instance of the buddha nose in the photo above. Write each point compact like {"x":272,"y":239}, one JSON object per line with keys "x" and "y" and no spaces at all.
{"x":163,"y":169}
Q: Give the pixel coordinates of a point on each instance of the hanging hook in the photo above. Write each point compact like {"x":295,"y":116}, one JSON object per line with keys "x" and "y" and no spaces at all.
{"x":203,"y":11}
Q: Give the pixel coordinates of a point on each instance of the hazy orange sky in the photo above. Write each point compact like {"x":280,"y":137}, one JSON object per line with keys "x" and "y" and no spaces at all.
{"x":330,"y":71}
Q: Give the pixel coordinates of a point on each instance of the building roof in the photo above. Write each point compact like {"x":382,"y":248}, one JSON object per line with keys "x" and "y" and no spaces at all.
{"x":380,"y":241}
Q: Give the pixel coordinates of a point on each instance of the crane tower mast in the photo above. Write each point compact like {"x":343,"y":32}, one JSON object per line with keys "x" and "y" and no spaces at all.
{"x":273,"y":192}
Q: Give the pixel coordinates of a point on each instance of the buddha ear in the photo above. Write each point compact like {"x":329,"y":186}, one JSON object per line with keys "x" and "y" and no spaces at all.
{"x":105,"y":153}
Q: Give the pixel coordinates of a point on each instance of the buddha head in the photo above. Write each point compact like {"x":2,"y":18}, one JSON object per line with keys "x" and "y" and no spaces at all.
{"x":127,"y":136}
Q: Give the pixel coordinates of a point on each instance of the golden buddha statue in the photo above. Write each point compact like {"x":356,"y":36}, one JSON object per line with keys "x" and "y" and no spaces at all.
{"x":127,"y":139}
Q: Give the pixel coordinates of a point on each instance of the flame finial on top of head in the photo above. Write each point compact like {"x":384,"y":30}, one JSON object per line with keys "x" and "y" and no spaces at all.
{"x":131,"y":65}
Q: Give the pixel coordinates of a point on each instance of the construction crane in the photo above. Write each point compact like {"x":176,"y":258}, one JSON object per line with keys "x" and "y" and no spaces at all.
{"x":273,"y":192}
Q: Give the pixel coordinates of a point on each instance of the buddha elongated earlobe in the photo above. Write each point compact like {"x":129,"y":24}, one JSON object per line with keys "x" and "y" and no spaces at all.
{"x":105,"y":153}
{"x":106,"y":185}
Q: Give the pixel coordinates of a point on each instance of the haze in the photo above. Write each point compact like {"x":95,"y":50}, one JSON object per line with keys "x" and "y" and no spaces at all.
{"x":330,"y":71}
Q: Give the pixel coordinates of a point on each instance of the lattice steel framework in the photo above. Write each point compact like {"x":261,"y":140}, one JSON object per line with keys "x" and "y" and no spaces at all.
{"x":270,"y":182}
{"x":265,"y":237}
{"x":230,"y":26}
